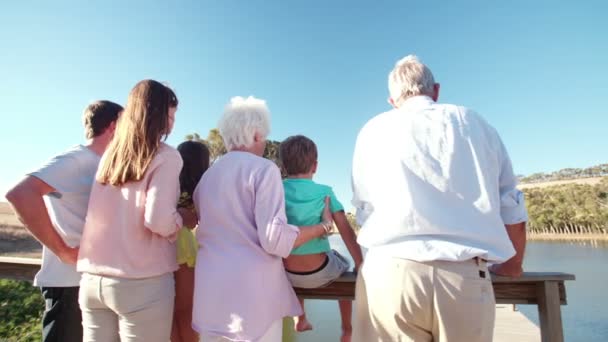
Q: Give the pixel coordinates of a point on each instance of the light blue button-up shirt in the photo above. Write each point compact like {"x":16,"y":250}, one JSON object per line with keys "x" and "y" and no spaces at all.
{"x":434,"y":182}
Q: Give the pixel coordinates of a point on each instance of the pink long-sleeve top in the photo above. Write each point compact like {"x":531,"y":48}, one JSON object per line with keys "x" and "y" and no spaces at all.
{"x":130,"y":229}
{"x":240,"y":284}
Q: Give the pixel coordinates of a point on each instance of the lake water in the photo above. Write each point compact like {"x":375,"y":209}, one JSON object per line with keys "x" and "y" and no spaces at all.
{"x":585,"y":318}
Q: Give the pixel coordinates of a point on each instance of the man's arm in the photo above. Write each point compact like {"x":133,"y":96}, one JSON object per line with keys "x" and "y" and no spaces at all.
{"x":514,"y":215}
{"x":27,"y":202}
{"x":359,"y":181}
{"x":513,"y":267}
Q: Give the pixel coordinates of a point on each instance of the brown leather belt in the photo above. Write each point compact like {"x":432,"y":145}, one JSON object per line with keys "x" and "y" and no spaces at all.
{"x":479,"y":260}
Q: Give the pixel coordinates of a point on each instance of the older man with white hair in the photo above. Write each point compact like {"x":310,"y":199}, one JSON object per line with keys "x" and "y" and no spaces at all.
{"x":436,"y":196}
{"x":241,"y":290}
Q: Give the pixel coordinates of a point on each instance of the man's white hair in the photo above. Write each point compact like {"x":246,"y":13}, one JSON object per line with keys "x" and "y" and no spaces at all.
{"x":242,"y":118}
{"x":410,"y":78}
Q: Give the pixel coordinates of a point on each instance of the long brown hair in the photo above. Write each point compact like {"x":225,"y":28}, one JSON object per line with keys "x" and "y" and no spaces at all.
{"x":195,"y":155}
{"x":141,"y":127}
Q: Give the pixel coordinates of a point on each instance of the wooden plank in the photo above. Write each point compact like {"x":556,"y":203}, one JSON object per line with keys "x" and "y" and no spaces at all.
{"x":524,"y":293}
{"x":20,"y":261}
{"x":549,"y":312}
{"x":506,"y":290}
{"x":19,"y":268}
{"x":512,"y":326}
{"x":528,"y":277}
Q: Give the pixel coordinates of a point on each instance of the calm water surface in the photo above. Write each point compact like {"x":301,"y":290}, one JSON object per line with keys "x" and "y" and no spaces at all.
{"x":585,"y":318}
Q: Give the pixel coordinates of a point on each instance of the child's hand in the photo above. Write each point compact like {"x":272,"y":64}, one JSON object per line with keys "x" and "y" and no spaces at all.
{"x":185,"y":201}
{"x":189,"y":217}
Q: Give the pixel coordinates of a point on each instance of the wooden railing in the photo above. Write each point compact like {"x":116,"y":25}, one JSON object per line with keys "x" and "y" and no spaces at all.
{"x":18,"y":268}
{"x":544,"y":289}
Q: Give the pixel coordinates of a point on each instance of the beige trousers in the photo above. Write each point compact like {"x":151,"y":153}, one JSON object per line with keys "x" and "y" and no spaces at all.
{"x":441,"y":301}
{"x":121,"y":309}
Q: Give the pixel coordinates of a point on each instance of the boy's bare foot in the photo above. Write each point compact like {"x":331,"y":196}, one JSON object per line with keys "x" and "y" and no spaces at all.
{"x":302,"y":324}
{"x":346,"y":335}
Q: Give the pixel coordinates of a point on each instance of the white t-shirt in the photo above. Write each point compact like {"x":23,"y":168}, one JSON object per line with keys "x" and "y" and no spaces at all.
{"x":71,"y":174}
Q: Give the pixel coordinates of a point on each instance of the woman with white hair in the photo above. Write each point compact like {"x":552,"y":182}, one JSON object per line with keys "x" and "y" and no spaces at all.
{"x":241,"y":290}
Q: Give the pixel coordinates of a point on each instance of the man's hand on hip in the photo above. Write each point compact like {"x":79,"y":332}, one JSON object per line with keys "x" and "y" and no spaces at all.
{"x":69,"y":255}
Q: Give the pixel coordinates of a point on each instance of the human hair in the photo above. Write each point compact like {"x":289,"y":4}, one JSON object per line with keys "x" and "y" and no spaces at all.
{"x":141,"y":128}
{"x":242,"y":118}
{"x":297,"y":154}
{"x":410,"y":78}
{"x":98,"y":116}
{"x":195,"y":155}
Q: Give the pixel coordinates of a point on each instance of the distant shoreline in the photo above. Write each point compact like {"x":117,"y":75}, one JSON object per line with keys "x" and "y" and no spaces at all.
{"x":550,"y":183}
{"x":566,"y":237}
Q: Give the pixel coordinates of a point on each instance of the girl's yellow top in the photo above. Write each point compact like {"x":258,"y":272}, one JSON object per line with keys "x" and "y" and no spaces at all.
{"x":186,"y":244}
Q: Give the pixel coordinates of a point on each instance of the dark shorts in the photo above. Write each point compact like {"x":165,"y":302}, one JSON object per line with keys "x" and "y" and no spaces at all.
{"x":62,"y":320}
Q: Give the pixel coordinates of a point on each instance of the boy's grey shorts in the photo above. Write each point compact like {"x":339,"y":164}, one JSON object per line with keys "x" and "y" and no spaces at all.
{"x":336,"y":266}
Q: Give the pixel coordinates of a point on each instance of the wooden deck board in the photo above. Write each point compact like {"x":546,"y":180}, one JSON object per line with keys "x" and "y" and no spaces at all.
{"x":513,"y":326}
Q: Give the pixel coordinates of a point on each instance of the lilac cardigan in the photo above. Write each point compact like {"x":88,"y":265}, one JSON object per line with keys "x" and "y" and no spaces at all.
{"x":240,"y":283}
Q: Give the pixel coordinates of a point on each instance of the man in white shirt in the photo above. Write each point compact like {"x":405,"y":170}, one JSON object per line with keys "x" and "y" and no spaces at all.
{"x":436,"y":197}
{"x":52,"y":204}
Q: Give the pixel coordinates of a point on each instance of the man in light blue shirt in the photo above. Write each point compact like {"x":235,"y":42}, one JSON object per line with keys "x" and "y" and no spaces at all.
{"x":436,"y":197}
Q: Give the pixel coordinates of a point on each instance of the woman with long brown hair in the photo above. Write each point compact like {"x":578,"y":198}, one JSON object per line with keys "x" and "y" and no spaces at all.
{"x":126,"y":254}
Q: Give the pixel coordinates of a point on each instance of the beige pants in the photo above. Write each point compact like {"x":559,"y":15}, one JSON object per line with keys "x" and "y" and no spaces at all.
{"x":120,"y":309}
{"x":273,"y":334}
{"x":404,"y":300}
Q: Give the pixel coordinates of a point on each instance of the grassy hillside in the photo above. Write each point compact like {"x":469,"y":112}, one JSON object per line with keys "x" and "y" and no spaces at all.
{"x":569,"y":208}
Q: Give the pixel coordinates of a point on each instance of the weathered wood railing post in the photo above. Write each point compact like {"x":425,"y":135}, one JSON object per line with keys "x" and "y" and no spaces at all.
{"x":549,"y":312}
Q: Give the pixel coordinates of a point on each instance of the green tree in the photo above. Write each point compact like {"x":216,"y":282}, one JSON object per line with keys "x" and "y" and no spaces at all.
{"x":352,"y":220}
{"x":215,"y":143}
{"x":21,"y":307}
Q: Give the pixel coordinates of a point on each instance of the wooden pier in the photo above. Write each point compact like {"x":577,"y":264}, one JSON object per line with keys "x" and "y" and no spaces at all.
{"x":546,"y":290}
{"x":512,"y":326}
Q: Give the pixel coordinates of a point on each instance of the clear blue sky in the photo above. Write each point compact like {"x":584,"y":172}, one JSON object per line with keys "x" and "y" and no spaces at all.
{"x":536,"y":70}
